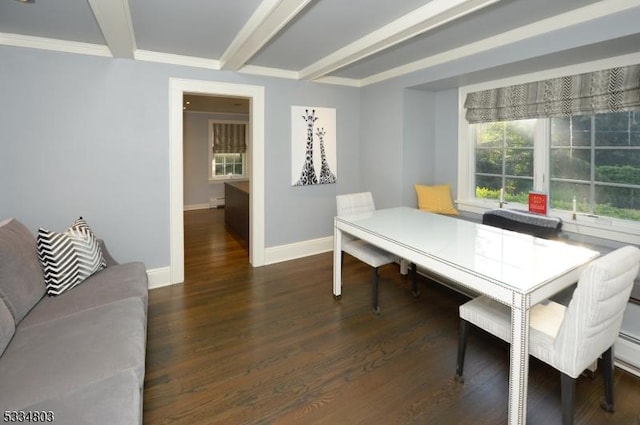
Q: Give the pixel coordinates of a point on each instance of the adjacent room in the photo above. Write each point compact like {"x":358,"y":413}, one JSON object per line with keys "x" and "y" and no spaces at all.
{"x":291,"y":211}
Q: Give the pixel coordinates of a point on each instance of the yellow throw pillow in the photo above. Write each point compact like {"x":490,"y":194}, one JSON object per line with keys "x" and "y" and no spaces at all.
{"x":436,"y":199}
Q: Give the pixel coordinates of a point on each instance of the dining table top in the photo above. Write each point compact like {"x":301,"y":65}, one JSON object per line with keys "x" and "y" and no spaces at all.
{"x":518,"y":261}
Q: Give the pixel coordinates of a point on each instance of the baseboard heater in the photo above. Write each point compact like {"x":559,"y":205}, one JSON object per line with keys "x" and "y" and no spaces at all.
{"x":216,"y":202}
{"x":627,"y":353}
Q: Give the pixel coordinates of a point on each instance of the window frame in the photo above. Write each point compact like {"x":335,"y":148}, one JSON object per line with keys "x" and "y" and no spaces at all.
{"x":626,"y":231}
{"x":211,"y":167}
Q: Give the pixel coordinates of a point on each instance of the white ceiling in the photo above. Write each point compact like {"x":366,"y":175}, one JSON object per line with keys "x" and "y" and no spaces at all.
{"x":350,"y":42}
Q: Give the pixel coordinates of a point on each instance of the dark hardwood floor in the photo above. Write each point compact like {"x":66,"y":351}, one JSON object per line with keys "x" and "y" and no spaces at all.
{"x":269,"y":345}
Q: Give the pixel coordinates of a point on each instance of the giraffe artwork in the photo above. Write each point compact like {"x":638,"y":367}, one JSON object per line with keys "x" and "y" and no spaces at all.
{"x":326,"y":176}
{"x":308,"y":174}
{"x":313,"y":146}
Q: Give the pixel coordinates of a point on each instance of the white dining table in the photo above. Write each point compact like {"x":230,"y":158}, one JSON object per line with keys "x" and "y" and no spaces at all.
{"x":515,"y":269}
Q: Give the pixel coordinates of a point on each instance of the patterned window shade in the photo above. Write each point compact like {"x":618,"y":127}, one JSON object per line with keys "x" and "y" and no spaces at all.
{"x":611,"y":90}
{"x":229,"y":138}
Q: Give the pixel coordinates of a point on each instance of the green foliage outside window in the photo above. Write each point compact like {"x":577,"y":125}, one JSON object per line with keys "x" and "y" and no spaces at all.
{"x":618,"y":174}
{"x":504,"y":159}
{"x":594,"y":159}
{"x":225,"y":164}
{"x":517,"y":198}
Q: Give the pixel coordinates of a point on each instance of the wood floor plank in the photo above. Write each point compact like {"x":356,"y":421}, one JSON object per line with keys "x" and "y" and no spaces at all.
{"x":270,"y":345}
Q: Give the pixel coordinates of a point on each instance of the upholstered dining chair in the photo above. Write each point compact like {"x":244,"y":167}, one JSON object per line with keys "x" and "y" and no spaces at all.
{"x":355,"y":204}
{"x":568,"y":338}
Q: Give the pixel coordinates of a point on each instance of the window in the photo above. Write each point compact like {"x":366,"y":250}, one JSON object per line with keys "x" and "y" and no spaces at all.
{"x":504,"y":159}
{"x":228,"y":164}
{"x":594,"y":159}
{"x":228,"y":149}
{"x":575,"y":137}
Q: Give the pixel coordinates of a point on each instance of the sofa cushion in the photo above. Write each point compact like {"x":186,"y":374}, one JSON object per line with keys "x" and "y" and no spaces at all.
{"x":112,"y":401}
{"x":68,"y":258}
{"x":64,"y":355}
{"x":114,"y":283}
{"x":21,"y":279}
{"x":7,"y":326}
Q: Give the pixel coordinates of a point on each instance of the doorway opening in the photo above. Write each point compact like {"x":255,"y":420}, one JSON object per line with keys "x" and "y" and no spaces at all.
{"x":178,"y":88}
{"x":216,"y":155}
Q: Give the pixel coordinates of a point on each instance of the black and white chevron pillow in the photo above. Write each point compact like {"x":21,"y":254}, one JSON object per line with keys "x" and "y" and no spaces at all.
{"x":68,"y":258}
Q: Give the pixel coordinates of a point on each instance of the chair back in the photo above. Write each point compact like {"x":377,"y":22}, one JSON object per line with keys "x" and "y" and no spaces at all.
{"x":594,"y":315}
{"x":355,"y":204}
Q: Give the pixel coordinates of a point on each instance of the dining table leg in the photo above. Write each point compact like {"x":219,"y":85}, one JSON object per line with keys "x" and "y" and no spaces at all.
{"x":519,"y":367}
{"x":337,"y":263}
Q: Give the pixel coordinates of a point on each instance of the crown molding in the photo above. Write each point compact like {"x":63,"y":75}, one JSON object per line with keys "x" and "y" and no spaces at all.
{"x":339,"y":81}
{"x":31,"y":42}
{"x":293,"y":75}
{"x":169,"y":58}
{"x":268,"y":72}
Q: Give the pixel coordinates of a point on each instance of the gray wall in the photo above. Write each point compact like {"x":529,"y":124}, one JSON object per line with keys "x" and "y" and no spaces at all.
{"x":88,"y":136}
{"x":446,"y":139}
{"x":418,"y":143}
{"x":84,"y":135}
{"x":408,"y":136}
{"x":381,"y":145}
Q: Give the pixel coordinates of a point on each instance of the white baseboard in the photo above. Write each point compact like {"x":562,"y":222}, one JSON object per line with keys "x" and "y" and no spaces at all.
{"x":159,"y":277}
{"x":278,"y":254}
{"x":197,"y":207}
{"x":162,"y":276}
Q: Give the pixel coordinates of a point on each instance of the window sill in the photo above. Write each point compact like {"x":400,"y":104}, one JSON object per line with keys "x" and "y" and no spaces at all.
{"x":223,"y":179}
{"x":623,"y":231}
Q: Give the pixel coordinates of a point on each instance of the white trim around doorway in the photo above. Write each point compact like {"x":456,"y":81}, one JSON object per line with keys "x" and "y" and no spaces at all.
{"x":177,"y":88}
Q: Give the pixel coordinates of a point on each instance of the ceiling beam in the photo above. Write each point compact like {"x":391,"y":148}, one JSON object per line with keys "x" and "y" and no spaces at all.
{"x":424,"y":18}
{"x":268,"y":19}
{"x":574,"y":17}
{"x":114,"y":19}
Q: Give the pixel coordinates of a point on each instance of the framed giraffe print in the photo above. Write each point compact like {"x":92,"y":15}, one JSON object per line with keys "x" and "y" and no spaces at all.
{"x":313,"y":145}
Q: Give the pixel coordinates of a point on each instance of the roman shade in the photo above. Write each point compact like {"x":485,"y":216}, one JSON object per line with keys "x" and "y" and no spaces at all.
{"x":229,"y":138}
{"x":611,"y":90}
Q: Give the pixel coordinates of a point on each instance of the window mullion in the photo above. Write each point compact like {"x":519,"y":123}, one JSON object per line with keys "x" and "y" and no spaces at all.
{"x":504,"y":157}
{"x":467,"y":165}
{"x":541,"y":148}
{"x":592,"y":189}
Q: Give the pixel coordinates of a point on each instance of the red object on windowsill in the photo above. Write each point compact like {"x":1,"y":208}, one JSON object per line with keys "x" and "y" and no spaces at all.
{"x":538,"y":203}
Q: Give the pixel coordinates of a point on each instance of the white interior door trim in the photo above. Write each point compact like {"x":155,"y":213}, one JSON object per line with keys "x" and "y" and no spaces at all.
{"x":177,"y":87}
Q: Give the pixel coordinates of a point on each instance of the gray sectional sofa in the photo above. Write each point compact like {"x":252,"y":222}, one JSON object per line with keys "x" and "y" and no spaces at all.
{"x":77,"y":358}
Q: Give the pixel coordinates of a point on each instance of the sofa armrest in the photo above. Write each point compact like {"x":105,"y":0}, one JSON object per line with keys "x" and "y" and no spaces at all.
{"x":106,"y":254}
